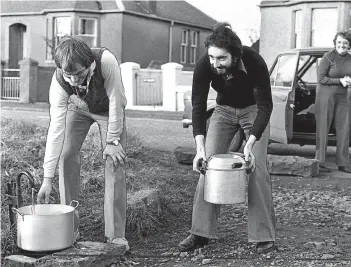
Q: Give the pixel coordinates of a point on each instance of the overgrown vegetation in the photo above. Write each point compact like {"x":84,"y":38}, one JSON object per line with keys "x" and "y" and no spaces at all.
{"x":149,"y":172}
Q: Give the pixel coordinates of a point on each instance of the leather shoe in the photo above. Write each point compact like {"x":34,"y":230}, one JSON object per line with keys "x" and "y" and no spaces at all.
{"x":346,"y":169}
{"x":264,"y":247}
{"x":193,"y":242}
{"x":323,"y":168}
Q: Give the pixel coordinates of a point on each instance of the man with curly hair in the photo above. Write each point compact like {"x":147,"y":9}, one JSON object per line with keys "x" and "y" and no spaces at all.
{"x":244,"y":100}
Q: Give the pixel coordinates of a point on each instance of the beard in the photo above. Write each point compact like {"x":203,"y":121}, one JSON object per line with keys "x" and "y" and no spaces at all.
{"x":223,"y":70}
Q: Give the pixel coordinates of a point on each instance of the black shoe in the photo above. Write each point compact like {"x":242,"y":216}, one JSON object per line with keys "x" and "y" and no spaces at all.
{"x":264,"y":247}
{"x":323,"y":168}
{"x":344,"y":169}
{"x":193,"y":242}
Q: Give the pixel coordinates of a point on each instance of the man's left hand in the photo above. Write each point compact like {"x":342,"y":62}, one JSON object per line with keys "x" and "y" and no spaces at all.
{"x":248,"y":147}
{"x":117,"y":154}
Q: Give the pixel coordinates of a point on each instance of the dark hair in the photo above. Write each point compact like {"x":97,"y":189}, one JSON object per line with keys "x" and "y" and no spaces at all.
{"x":343,"y":34}
{"x":223,"y":37}
{"x":72,"y":50}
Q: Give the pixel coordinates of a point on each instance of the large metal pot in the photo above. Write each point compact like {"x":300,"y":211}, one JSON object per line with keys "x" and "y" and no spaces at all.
{"x":45,"y":227}
{"x":225,"y":178}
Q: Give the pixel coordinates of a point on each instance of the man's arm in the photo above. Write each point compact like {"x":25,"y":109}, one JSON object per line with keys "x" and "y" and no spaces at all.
{"x":58,"y":108}
{"x":200,"y":89}
{"x":111,"y":73}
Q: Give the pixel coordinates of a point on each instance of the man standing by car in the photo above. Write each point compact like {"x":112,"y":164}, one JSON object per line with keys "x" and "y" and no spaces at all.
{"x":241,"y":78}
{"x":86,"y":88}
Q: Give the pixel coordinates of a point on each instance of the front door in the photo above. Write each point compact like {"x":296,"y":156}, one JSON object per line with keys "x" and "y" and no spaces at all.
{"x":282,"y":77}
{"x":16,"y":41}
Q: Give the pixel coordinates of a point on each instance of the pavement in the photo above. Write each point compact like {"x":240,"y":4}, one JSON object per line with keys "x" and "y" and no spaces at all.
{"x":43,"y":106}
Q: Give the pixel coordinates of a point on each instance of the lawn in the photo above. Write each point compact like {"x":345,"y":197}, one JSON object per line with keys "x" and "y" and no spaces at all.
{"x":149,"y":173}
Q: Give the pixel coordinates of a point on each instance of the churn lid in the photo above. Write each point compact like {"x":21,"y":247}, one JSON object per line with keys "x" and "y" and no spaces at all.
{"x":226,"y":161}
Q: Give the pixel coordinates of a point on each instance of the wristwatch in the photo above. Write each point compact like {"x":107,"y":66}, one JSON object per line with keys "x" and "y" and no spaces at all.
{"x":115,"y":143}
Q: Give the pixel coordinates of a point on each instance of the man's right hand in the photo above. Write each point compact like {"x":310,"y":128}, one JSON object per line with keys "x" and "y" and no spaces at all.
{"x":45,"y":191}
{"x":200,"y":152}
{"x":200,"y":155}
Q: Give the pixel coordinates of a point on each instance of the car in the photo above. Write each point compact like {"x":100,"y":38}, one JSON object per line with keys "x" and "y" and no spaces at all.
{"x":293,"y":78}
{"x":237,"y":142}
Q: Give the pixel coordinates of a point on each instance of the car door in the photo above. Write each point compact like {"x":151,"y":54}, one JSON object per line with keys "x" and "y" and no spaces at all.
{"x":282,"y":77}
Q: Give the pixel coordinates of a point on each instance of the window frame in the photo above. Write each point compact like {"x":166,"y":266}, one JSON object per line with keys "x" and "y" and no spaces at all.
{"x":55,"y":30}
{"x":184,"y":46}
{"x":298,"y":15}
{"x":94,"y":35}
{"x":194,"y":46}
{"x":313,"y":25}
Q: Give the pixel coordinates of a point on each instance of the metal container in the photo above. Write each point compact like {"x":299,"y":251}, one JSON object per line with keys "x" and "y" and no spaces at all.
{"x":45,"y":227}
{"x":225,"y":178}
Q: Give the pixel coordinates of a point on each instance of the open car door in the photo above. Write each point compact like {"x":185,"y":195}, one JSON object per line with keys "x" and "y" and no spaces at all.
{"x":282,"y":77}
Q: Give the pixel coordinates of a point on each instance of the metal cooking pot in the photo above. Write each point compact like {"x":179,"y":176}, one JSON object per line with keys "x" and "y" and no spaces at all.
{"x":45,"y":227}
{"x":225,"y":178}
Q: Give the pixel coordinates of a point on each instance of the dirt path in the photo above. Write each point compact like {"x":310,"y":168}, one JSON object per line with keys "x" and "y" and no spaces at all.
{"x":313,"y":229}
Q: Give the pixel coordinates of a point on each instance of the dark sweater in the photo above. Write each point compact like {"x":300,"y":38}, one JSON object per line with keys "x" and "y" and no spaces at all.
{"x":332,"y":67}
{"x":243,"y":90}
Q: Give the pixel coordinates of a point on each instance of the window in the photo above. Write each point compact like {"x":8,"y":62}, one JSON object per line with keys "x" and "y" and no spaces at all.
{"x":62,"y":28}
{"x":194,"y":41}
{"x":324,"y":26}
{"x":184,"y":47}
{"x":284,"y":71}
{"x":88,"y":30}
{"x":298,"y":29}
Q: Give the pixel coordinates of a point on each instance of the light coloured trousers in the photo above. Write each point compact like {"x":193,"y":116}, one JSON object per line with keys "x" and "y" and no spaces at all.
{"x":224,"y":124}
{"x":78,"y":123}
{"x":330,"y":105}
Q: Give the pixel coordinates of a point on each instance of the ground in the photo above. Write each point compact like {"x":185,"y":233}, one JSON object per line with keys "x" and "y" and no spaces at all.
{"x":313,"y":214}
{"x":313,"y":229}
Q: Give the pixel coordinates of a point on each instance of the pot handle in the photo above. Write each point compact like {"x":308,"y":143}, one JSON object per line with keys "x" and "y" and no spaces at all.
{"x":18,"y":212}
{"x":202,"y":164}
{"x":74,"y":201}
{"x":251,"y":164}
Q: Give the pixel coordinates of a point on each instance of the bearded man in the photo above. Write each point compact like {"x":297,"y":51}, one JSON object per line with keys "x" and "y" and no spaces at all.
{"x":241,"y":78}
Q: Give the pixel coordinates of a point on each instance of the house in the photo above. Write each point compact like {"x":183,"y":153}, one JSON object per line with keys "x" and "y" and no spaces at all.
{"x":145,"y":32}
{"x":288,"y":24}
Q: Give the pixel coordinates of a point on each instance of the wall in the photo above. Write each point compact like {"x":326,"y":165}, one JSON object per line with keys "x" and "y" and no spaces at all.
{"x":35,"y":46}
{"x":275,"y":33}
{"x":45,"y":75}
{"x":177,"y":38}
{"x":144,"y":40}
{"x":112,"y":23}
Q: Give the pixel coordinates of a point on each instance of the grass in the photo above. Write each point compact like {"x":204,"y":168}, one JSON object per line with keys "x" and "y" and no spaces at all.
{"x":155,"y":182}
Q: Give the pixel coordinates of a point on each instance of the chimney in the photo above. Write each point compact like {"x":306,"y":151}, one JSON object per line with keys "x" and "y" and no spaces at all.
{"x":150,"y":5}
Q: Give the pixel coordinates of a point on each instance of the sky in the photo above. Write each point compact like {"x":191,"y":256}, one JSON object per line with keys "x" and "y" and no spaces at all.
{"x":243,"y":15}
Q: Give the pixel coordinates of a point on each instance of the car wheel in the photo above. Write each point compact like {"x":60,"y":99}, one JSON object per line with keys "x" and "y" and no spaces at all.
{"x":237,"y":143}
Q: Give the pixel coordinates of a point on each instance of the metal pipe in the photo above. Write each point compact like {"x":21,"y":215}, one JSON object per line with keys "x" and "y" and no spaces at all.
{"x":170,"y":41}
{"x":18,"y":186}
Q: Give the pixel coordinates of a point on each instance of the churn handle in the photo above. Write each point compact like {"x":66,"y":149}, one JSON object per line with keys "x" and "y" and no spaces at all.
{"x":74,"y":201}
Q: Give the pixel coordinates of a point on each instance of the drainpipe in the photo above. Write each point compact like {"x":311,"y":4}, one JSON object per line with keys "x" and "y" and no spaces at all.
{"x":170,"y":41}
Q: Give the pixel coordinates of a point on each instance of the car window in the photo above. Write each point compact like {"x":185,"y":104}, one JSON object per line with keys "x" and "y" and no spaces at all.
{"x":308,"y":68}
{"x":284,"y":71}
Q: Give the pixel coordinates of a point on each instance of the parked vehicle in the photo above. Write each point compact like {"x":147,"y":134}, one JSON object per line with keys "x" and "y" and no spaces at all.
{"x":293,"y":77}
{"x":238,"y":139}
